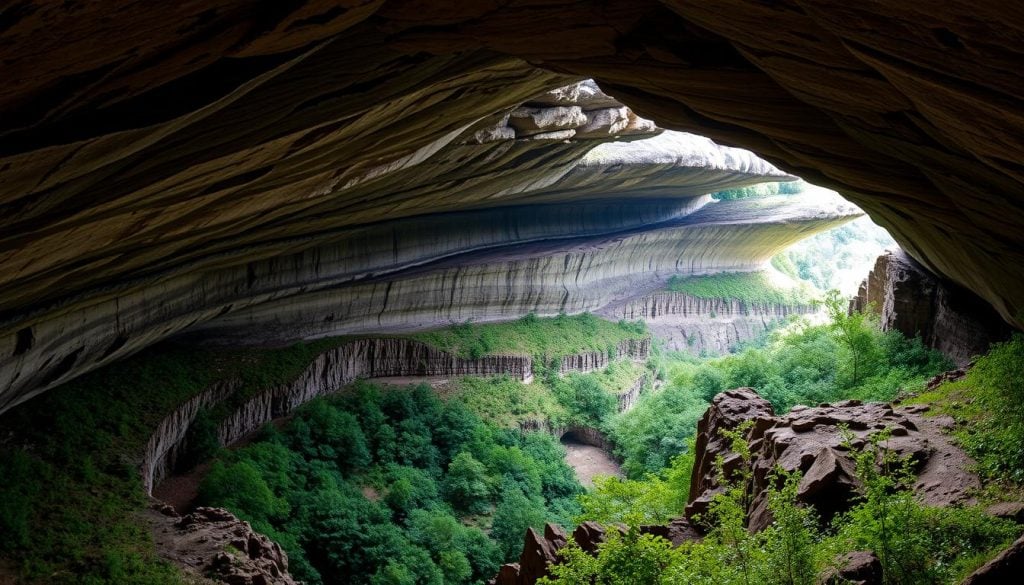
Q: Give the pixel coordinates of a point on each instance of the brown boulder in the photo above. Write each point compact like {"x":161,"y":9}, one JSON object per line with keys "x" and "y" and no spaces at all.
{"x":855,"y":568}
{"x":1006,"y":567}
{"x":810,"y":440}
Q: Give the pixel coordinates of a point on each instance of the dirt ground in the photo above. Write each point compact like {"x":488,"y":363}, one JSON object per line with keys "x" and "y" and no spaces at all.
{"x":589,"y":461}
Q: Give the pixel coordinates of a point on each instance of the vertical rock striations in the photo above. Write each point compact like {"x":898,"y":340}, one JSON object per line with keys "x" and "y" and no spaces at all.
{"x":703,"y":325}
{"x":911,"y":300}
{"x":328,"y":373}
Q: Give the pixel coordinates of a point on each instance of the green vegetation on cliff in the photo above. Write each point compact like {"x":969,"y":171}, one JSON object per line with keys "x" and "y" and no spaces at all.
{"x":747,"y":287}
{"x":368,"y":486}
{"x":917,"y":545}
{"x":542,"y":338}
{"x":761,"y":190}
{"x":988,"y":405}
{"x":850,"y":357}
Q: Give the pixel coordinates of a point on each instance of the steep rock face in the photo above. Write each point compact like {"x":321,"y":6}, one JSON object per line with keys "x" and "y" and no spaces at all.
{"x":811,"y":440}
{"x":213,"y":542}
{"x":487,"y":160}
{"x":637,"y":350}
{"x":546,"y":278}
{"x":337,"y":368}
{"x":329,"y":372}
{"x":912,"y":301}
{"x":140,"y":145}
{"x":700,"y":325}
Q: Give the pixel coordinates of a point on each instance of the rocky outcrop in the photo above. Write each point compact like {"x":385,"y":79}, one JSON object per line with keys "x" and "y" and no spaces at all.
{"x":1006,"y":567}
{"x":913,"y":301}
{"x":810,"y":440}
{"x":214,"y":543}
{"x":704,"y":325}
{"x":329,"y":372}
{"x":539,"y":552}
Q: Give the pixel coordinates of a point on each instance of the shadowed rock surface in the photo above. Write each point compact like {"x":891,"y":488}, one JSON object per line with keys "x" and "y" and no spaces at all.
{"x":213,"y":542}
{"x":811,"y":440}
{"x":914,"y":302}
{"x":143,"y":150}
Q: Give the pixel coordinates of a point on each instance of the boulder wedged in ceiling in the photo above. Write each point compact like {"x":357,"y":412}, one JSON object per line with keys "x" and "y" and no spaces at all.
{"x":371,"y":225}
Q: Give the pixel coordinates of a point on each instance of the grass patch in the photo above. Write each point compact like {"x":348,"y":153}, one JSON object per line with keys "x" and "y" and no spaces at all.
{"x":988,"y":405}
{"x":542,"y":338}
{"x":749,"y":287}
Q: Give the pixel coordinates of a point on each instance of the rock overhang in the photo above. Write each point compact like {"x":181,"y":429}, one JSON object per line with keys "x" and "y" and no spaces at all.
{"x":112,"y":181}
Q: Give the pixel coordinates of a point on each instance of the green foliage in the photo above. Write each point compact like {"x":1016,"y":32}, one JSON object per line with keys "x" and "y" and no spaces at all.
{"x":655,"y":499}
{"x":989,"y":405}
{"x":750,"y":287}
{"x":760,"y":190}
{"x":916,"y":544}
{"x":838,"y":258}
{"x":542,"y":338}
{"x":373,"y":487}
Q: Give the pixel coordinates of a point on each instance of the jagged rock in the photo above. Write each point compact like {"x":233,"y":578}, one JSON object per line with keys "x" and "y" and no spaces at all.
{"x":809,"y":439}
{"x":214,"y":543}
{"x":531,"y":121}
{"x":1005,"y":568}
{"x":913,"y":301}
{"x":538,"y":553}
{"x":855,"y":568}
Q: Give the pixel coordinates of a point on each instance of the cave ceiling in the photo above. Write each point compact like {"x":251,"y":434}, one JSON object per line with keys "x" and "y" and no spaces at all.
{"x":146,"y":145}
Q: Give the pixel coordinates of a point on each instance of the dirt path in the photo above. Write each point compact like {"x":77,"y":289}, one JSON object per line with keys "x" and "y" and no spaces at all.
{"x":589,"y":461}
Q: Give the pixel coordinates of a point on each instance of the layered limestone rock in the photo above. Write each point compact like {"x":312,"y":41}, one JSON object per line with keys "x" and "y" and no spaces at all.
{"x":637,"y":350}
{"x":142,"y":149}
{"x":496,"y":163}
{"x":703,"y":325}
{"x":913,"y":301}
{"x":329,"y":372}
{"x":130,"y":135}
{"x":546,"y":277}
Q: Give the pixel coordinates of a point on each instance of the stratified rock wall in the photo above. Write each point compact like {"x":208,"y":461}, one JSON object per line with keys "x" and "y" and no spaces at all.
{"x":637,"y":350}
{"x":143,"y":145}
{"x":704,"y":326}
{"x":328,"y":373}
{"x":913,"y":301}
{"x":546,"y":278}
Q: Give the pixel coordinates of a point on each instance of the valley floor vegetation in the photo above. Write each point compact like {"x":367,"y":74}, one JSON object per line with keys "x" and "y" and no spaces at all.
{"x":395,"y":487}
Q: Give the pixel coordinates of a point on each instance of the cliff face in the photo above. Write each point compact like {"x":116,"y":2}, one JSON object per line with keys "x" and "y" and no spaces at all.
{"x":700,"y":325}
{"x":914,"y":302}
{"x":144,"y":150}
{"x":329,"y":372}
{"x":338,"y":367}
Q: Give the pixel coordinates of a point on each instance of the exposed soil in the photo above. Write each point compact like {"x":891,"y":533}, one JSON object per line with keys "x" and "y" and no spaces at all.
{"x":589,"y":461}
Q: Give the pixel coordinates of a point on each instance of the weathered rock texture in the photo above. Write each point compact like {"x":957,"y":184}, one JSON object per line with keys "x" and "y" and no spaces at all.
{"x":337,"y":368}
{"x":539,"y":552}
{"x":213,"y":542}
{"x":810,"y":440}
{"x":139,"y":147}
{"x":913,"y":301}
{"x":329,"y":372}
{"x":335,"y":274}
{"x":704,"y":326}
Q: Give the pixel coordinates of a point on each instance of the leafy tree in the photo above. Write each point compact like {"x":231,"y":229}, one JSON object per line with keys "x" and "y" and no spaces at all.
{"x":514,"y":514}
{"x":466,"y":484}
